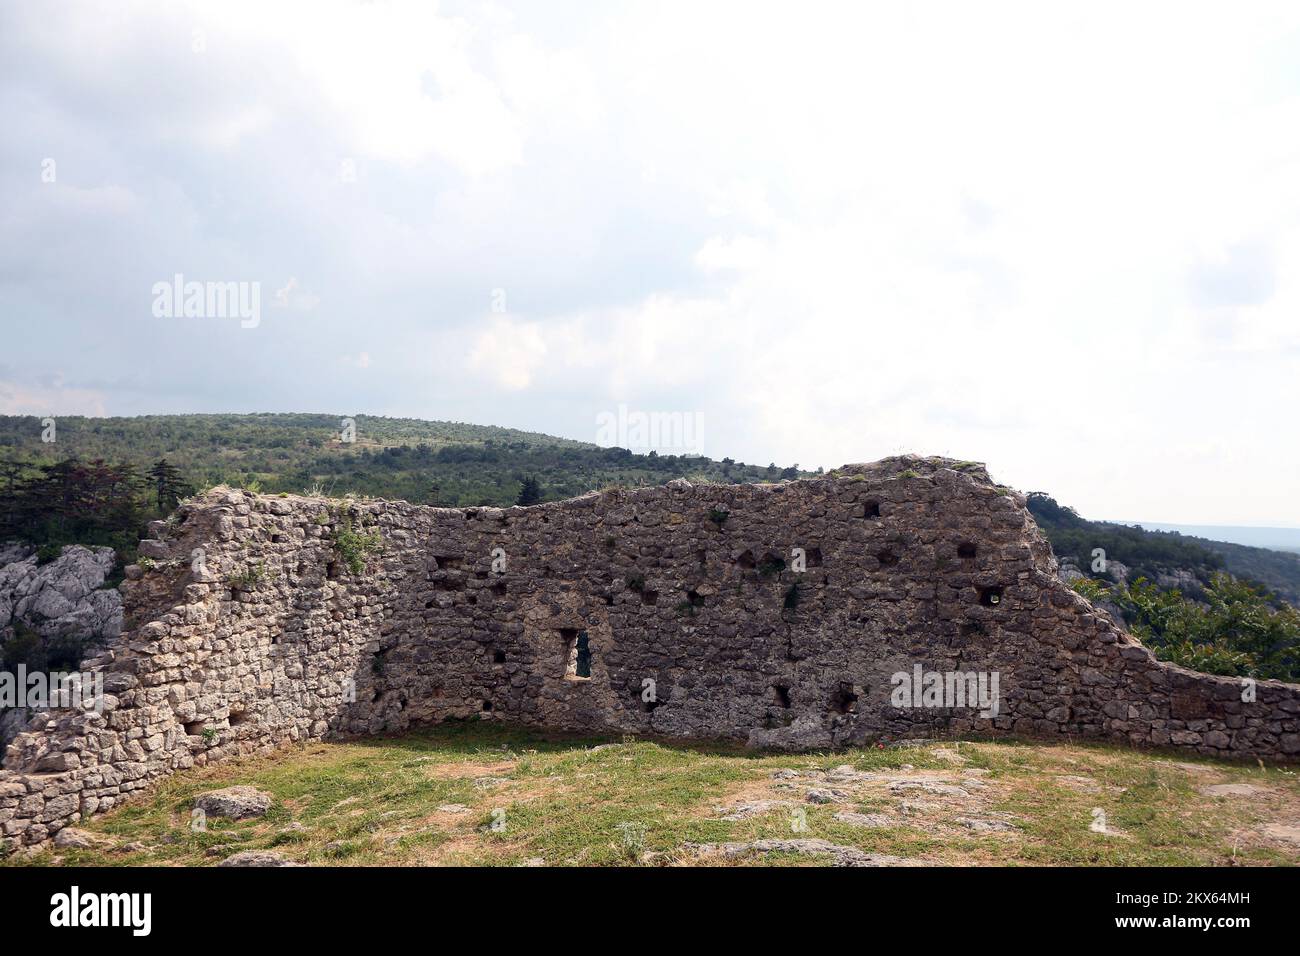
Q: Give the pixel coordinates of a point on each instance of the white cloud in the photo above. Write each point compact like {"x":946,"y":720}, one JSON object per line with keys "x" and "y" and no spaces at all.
{"x":360,"y":360}
{"x":294,"y":297}
{"x":398,"y":77}
{"x":721,"y":254}
{"x":508,"y":353}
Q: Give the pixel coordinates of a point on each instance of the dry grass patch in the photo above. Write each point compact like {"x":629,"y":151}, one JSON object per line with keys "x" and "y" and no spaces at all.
{"x":538,"y":797}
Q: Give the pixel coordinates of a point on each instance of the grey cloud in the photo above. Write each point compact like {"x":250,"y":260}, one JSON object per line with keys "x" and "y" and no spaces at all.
{"x":405,"y":251}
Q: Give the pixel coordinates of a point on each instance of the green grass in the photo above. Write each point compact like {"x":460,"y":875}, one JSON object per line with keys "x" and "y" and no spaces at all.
{"x":641,"y":802}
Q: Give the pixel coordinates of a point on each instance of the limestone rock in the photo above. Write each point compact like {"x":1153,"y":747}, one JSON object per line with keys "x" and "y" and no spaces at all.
{"x":1286,"y":832}
{"x":987,"y":826}
{"x":750,"y":808}
{"x":234,"y":803}
{"x":61,"y":598}
{"x":70,"y":838}
{"x":257,"y":858}
{"x":928,"y":786}
{"x":1232,"y":790}
{"x":842,"y":855}
{"x":872,"y":820}
{"x":818,"y":795}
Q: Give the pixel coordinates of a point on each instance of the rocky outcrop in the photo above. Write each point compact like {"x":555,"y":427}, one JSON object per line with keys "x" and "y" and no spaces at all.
{"x":778,"y":615}
{"x":63,"y":598}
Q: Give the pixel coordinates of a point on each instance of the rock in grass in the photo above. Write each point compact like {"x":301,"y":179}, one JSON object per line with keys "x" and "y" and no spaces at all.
{"x":70,"y":838}
{"x":840,"y":855}
{"x":752,"y":808}
{"x":873,"y":820}
{"x":928,"y":786}
{"x":1289,"y":832}
{"x":235,"y":803}
{"x":826,"y":796}
{"x":1232,"y":790}
{"x":987,"y":826}
{"x":257,"y":858}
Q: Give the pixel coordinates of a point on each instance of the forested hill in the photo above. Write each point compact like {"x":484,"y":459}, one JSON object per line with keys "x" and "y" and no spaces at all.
{"x":1160,"y":556}
{"x":442,"y":463}
{"x":1277,"y":569}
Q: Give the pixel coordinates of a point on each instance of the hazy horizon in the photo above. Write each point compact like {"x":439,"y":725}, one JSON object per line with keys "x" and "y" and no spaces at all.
{"x":1274,"y":537}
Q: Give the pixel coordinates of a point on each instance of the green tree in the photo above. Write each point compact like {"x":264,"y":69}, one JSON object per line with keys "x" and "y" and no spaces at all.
{"x":10,"y":473}
{"x":168,"y":485}
{"x":530,"y":493}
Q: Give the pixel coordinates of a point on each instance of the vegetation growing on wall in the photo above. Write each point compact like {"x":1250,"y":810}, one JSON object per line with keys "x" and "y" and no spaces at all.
{"x":1236,"y":630}
{"x":353,"y":546}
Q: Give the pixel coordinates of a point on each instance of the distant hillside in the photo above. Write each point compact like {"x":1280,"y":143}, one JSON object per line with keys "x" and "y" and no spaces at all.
{"x":1277,"y":539}
{"x":1158,"y":555}
{"x":442,"y":463}
{"x":1279,"y":570}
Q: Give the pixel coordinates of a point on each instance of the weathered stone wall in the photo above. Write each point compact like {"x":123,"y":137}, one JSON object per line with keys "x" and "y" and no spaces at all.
{"x":250,"y":630}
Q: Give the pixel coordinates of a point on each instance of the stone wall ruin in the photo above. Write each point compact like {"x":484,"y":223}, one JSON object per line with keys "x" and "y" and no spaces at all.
{"x":682,"y":611}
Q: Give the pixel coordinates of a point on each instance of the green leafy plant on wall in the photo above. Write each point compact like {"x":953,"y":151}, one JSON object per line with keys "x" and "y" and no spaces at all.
{"x":353,"y":546}
{"x":247,"y":579}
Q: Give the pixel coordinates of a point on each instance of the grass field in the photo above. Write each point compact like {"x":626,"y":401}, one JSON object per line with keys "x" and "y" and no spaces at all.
{"x":487,"y":794}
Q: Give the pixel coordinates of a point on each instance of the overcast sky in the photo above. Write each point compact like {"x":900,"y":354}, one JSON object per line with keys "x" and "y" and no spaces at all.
{"x":1065,"y":242}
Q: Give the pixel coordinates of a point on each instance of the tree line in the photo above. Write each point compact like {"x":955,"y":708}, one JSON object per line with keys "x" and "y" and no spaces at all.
{"x":449,"y":464}
{"x":85,"y":502}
